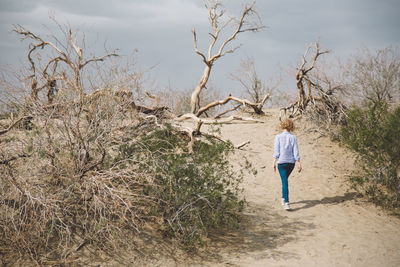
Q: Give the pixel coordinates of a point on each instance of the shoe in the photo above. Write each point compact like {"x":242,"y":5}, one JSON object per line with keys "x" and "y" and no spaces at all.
{"x":282,"y":201}
{"x":286,"y":206}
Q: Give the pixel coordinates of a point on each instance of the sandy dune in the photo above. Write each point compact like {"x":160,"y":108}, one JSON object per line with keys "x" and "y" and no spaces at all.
{"x":329,"y":225}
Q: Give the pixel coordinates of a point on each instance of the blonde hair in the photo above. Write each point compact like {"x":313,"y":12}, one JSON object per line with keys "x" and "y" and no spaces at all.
{"x":288,"y":125}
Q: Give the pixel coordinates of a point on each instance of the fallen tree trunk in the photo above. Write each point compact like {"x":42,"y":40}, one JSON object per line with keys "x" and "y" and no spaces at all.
{"x":225,"y":120}
{"x":257,"y":107}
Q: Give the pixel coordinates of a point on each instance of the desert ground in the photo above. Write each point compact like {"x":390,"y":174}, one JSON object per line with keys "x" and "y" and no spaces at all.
{"x":329,"y":224}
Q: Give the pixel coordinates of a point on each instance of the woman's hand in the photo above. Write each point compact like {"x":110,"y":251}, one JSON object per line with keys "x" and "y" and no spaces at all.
{"x":274,"y":165}
{"x":299,"y":166}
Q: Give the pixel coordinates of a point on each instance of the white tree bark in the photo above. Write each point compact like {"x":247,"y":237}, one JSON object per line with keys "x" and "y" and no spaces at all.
{"x":195,"y":99}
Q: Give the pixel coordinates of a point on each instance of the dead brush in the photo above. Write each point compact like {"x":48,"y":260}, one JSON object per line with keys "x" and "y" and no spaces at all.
{"x":95,"y":169}
{"x":58,"y":197}
{"x":80,"y":184}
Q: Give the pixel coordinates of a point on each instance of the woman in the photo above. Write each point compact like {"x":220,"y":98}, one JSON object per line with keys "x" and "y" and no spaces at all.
{"x":286,"y":154}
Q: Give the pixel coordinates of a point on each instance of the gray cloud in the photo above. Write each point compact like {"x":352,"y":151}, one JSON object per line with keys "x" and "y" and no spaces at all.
{"x":17,"y":6}
{"x":161,"y":31}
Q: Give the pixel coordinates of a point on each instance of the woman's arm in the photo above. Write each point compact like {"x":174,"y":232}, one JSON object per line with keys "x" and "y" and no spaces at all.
{"x":276,"y":152}
{"x":296,"y":155}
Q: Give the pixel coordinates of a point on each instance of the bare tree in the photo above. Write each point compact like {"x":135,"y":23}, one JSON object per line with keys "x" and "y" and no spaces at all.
{"x":317,"y":94}
{"x":254,"y":87}
{"x":374,"y":77}
{"x":303,"y":81}
{"x":248,"y":21}
{"x":67,"y":53}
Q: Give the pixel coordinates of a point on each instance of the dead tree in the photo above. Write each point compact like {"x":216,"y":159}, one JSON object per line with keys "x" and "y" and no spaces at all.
{"x":303,"y":81}
{"x":256,"y":89}
{"x":65,"y":62}
{"x":373,"y":76}
{"x":248,"y":22}
{"x":317,"y":94}
{"x":70,"y":54}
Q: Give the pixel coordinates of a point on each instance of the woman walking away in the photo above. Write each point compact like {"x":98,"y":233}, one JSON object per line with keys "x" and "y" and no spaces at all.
{"x":286,"y":154}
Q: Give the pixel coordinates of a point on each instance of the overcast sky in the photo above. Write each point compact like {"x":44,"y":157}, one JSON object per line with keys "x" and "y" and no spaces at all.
{"x":161,"y":32}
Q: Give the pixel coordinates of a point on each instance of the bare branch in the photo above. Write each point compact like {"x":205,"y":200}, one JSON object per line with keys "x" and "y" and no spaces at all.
{"x":77,"y":49}
{"x":6,"y":161}
{"x":242,"y":144}
{"x":316,"y":55}
{"x":154,"y":97}
{"x":195,"y":47}
{"x":12,"y":125}
{"x":227,"y":111}
{"x":98,"y":59}
{"x":239,"y":29}
{"x":28,"y":34}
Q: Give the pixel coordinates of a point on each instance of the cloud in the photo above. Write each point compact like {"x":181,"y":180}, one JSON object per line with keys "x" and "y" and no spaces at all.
{"x":160,"y":29}
{"x":7,"y":6}
{"x":130,"y":14}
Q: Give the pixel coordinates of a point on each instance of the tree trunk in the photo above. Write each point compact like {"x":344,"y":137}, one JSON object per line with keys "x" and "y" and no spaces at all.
{"x":199,"y":87}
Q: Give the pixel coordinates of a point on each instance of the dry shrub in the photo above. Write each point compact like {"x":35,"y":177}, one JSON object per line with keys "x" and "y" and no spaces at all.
{"x":95,"y":173}
{"x":328,"y":116}
{"x":55,"y":196}
{"x":83,"y":168}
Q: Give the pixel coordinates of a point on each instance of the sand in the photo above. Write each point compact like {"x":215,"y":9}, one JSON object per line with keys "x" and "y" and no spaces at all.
{"x":329,"y":224}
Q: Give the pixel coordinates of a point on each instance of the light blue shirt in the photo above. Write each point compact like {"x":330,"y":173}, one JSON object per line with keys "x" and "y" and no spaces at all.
{"x":286,"y":149}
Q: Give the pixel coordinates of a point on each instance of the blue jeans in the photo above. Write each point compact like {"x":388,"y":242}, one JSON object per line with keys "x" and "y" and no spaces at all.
{"x":285,"y":169}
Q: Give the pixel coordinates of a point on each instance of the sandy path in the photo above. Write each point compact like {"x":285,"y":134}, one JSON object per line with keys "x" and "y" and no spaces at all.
{"x":328,"y":225}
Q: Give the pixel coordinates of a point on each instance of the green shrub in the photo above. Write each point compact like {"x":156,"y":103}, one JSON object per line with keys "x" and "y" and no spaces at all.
{"x":196,"y":193}
{"x":374,"y":133}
